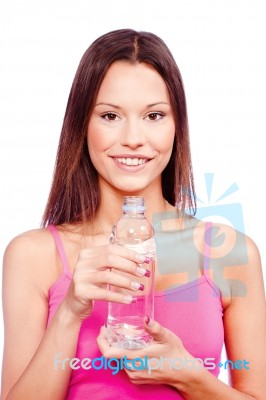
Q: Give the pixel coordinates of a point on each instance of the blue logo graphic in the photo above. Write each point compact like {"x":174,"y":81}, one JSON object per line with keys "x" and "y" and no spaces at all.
{"x":178,"y":250}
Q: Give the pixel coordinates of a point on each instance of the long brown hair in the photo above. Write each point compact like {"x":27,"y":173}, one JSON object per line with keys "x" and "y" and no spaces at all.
{"x":75,"y":194}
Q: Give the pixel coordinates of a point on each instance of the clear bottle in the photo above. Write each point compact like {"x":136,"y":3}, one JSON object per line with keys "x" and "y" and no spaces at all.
{"x":125,"y":323}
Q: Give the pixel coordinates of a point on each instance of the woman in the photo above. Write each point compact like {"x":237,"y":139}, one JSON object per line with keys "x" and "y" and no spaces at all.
{"x":125,"y":133}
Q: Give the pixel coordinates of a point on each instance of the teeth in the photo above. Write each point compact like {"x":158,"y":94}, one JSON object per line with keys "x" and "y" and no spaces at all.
{"x":131,"y":161}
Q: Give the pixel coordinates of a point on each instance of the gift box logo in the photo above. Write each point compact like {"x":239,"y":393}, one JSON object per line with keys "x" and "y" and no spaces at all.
{"x":179,"y":252}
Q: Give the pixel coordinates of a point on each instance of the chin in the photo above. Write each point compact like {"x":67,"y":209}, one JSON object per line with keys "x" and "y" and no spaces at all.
{"x":129,"y":190}
{"x":134,"y":188}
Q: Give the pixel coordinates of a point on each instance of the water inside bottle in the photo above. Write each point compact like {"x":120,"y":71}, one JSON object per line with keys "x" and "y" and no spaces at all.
{"x":126,"y":321}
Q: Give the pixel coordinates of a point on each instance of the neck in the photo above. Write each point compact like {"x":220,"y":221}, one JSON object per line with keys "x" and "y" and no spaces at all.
{"x":112,"y":200}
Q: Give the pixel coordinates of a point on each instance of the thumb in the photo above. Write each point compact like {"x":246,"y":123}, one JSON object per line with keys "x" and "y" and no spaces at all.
{"x":157,"y":331}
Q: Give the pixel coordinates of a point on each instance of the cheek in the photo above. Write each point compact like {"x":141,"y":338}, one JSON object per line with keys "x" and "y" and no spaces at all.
{"x":96,"y":141}
{"x":164,"y":143}
{"x":93,"y":143}
{"x":92,"y":149}
{"x":99,"y":138}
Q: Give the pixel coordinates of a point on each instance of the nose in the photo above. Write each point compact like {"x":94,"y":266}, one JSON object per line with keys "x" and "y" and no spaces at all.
{"x":132,"y":135}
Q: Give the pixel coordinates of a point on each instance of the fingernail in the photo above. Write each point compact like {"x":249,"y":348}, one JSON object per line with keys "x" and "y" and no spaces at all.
{"x":140,"y":257}
{"x":142,"y":271}
{"x":147,"y":260}
{"x":137,"y":285}
{"x":148,"y":321}
{"x":148,"y":273}
{"x":130,"y":299}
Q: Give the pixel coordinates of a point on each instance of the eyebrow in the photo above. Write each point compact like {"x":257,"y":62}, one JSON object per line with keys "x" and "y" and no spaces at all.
{"x":118,"y":107}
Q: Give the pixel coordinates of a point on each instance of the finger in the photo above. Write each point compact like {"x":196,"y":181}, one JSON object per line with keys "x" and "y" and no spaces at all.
{"x":122,"y":264}
{"x":139,"y":378}
{"x":115,"y":279}
{"x":115,"y":256}
{"x":127,"y":253}
{"x":157,"y":331}
{"x":109,"y":350}
{"x":102,"y":341}
{"x":98,"y":293}
{"x":143,"y":381}
{"x":105,"y":346}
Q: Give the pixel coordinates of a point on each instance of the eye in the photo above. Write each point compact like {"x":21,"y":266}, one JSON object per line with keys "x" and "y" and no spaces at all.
{"x":109,"y":116}
{"x":155,"y":116}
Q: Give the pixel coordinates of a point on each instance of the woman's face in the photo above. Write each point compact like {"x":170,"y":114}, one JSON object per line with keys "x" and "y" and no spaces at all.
{"x":131,"y":130}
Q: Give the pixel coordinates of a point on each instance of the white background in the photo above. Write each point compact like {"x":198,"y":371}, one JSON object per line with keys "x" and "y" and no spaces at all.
{"x":220,"y":49}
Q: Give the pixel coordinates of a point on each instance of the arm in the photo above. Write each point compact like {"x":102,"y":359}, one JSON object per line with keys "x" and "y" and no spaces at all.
{"x":30,"y":349}
{"x":245,"y":338}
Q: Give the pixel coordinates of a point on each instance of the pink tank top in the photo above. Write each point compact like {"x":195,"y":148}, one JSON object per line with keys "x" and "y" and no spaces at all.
{"x":192,"y":311}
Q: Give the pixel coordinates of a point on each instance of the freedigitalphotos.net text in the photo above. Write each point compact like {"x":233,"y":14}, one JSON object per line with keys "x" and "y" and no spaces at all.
{"x":140,"y":364}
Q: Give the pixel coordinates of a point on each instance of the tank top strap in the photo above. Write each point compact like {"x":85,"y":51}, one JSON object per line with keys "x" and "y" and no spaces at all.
{"x":60,"y":248}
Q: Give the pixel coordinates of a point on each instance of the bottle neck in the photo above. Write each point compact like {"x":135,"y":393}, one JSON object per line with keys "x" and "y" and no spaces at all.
{"x":133,"y":205}
{"x":133,"y":214}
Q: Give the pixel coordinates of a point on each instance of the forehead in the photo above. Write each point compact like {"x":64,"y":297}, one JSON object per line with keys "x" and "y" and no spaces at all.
{"x":139,"y":80}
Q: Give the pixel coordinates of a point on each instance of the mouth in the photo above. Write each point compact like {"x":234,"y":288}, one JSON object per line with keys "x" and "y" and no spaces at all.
{"x":131,"y":161}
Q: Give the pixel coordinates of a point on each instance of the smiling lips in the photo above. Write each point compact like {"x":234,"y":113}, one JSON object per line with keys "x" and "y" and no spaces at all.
{"x":131,"y":161}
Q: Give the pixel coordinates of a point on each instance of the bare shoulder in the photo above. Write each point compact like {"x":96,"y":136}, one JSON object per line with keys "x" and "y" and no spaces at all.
{"x":234,"y":260}
{"x":32,"y":255}
{"x":31,"y":240}
{"x":230,"y":247}
{"x":31,"y":245}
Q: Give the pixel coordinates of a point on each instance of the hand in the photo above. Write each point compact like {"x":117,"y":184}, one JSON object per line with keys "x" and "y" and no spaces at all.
{"x":166,"y":347}
{"x":99,"y":267}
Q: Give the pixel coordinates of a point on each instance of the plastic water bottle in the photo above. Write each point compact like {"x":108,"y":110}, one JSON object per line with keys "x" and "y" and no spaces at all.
{"x":125,"y":323}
